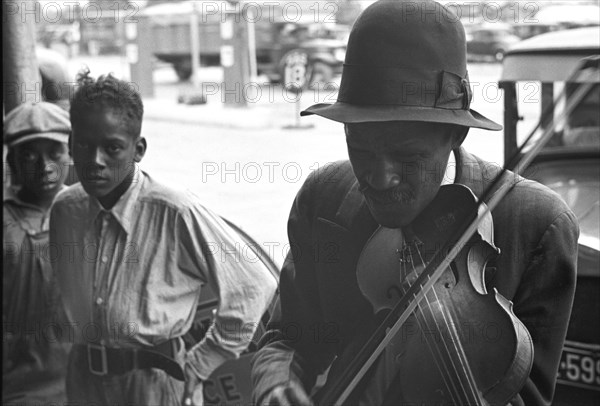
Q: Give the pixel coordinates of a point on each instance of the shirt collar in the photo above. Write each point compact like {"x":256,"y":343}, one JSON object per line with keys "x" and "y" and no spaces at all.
{"x":124,"y":210}
{"x":450,"y":174}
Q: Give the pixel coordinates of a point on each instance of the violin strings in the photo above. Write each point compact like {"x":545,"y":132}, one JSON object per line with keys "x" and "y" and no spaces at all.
{"x":450,"y":384}
{"x":451,"y":328}
{"x":443,"y":368}
{"x":466,"y":366}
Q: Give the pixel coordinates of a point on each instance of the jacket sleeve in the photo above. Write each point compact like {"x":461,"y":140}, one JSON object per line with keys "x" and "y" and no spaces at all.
{"x":543,"y":303}
{"x":294,"y":351}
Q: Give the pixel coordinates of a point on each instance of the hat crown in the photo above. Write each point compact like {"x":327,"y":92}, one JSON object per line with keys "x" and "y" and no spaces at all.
{"x":408,"y":34}
{"x":405,"y":61}
{"x":36,"y":120}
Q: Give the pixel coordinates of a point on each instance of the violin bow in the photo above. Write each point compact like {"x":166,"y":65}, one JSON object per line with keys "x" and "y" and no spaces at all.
{"x":441,"y":261}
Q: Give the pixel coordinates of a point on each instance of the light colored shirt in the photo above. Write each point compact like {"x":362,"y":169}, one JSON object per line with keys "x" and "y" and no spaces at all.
{"x":132,"y":275}
{"x":450,"y":174}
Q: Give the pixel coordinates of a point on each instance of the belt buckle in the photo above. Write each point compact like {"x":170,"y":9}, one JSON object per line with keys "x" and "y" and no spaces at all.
{"x":95,"y":351}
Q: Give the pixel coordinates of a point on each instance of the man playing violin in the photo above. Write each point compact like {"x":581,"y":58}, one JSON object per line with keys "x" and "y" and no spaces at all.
{"x":404,"y":100}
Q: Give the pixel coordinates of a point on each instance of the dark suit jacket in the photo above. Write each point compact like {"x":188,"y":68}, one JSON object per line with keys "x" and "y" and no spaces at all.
{"x":322,"y":307}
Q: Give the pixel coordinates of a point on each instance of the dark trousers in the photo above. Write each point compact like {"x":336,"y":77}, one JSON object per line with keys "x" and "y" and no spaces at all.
{"x":141,"y":387}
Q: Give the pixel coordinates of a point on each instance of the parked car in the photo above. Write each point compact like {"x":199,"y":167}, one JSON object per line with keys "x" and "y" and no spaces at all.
{"x":570,"y":165}
{"x":490,"y":41}
{"x":325,"y":48}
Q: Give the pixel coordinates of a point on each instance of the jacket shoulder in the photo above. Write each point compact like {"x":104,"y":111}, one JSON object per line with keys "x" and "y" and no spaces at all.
{"x":328,"y":187}
{"x":160,"y":194}
{"x":69,"y":195}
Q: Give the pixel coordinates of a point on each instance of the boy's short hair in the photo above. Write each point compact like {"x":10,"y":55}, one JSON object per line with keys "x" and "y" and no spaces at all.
{"x":108,"y":92}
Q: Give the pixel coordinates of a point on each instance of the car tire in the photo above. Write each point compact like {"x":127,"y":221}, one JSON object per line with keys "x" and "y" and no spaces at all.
{"x":183,"y":70}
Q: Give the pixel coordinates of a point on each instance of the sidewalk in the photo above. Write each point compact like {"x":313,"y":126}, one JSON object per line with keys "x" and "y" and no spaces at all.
{"x":274,"y":109}
{"x":215,"y":114}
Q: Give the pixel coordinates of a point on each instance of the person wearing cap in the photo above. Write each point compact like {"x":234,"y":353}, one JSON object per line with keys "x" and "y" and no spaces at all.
{"x":35,"y":356}
{"x":404,"y":100}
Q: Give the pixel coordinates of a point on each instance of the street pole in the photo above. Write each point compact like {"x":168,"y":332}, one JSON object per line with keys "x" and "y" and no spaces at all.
{"x":234,"y":59}
{"x":20,"y":72}
{"x":195,"y":45}
{"x":252,"y":44}
{"x":21,"y":76}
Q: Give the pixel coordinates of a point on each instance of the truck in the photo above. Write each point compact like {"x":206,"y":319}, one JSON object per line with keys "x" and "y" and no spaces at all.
{"x":276,"y":35}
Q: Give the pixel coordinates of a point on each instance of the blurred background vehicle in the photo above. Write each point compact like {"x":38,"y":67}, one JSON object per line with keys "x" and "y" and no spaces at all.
{"x":325,"y":46}
{"x":570,"y":165}
{"x":489,"y":40}
{"x":324,"y":42}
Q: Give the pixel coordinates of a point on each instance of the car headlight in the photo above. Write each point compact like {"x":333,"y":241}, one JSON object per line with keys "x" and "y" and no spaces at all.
{"x":340,"y":54}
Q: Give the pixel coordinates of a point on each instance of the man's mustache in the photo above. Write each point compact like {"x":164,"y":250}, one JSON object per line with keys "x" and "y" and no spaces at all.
{"x":396,"y":194}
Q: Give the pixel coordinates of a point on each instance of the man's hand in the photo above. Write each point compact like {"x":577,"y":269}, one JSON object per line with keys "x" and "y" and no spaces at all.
{"x":193,"y":393}
{"x":291,"y":394}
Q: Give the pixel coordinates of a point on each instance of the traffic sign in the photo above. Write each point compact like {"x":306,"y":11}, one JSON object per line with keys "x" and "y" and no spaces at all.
{"x":296,"y":68}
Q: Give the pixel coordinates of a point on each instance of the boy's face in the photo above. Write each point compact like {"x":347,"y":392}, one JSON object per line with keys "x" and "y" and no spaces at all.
{"x":41,"y":167}
{"x":103,"y":151}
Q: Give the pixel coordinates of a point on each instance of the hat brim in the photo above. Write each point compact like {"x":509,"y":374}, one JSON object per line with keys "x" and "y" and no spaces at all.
{"x":351,"y":113}
{"x":54,"y":136}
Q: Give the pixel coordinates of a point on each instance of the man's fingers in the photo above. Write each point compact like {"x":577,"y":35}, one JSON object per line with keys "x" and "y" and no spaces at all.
{"x":198,"y":395}
{"x":289,"y":395}
{"x":277,"y":397}
{"x":297,"y":396}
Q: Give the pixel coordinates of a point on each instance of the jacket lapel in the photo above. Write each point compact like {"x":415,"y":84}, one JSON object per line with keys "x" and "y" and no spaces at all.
{"x":340,"y":243}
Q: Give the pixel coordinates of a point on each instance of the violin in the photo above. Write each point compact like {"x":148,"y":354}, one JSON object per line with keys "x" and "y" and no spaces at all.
{"x":462,"y":344}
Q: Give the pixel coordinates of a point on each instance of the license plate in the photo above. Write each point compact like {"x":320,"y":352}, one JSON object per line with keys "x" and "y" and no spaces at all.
{"x":580,"y":365}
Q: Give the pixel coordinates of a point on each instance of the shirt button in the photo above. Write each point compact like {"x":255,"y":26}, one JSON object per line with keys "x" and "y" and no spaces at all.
{"x":99,"y":301}
{"x":104,"y":259}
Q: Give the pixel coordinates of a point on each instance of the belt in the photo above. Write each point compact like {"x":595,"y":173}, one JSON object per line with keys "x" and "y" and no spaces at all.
{"x":103,"y":360}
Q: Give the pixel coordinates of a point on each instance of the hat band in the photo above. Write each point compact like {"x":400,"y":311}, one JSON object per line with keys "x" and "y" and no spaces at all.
{"x":368,"y":85}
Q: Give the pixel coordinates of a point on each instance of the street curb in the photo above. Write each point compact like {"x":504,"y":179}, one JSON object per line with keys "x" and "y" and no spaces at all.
{"x":216,"y":115}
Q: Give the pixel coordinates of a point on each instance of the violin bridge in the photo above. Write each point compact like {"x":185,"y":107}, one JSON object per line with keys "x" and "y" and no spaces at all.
{"x":404,"y":254}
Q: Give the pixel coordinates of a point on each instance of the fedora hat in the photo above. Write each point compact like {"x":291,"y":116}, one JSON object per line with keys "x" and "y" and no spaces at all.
{"x":406,"y":61}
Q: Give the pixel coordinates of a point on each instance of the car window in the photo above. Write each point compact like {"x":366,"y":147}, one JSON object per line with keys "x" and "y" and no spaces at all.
{"x":482,"y":35}
{"x":578,"y":183}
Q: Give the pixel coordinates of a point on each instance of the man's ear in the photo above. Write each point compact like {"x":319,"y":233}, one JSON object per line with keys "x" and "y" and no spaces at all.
{"x":459,"y":136}
{"x":140,"y":149}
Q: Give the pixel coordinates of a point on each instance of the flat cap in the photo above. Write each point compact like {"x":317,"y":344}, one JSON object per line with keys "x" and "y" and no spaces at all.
{"x":36,"y":120}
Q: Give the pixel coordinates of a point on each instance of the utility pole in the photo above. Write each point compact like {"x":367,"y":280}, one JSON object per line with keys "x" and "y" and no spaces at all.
{"x":21,"y":80}
{"x":21,"y":76}
{"x":234,"y":56}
